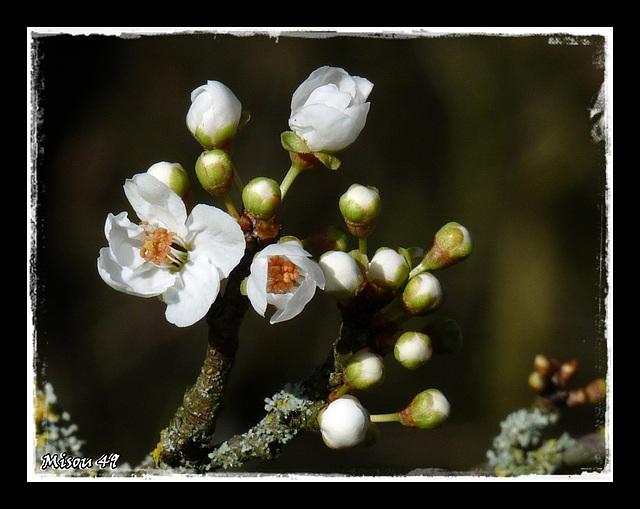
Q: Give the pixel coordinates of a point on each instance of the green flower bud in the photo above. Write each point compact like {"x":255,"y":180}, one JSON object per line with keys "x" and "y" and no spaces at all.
{"x":413,"y":349}
{"x":422,"y":294}
{"x":215,"y":172}
{"x":428,"y":410}
{"x":342,"y":274}
{"x":451,"y":245}
{"x":360,"y":207}
{"x":445,"y":334}
{"x":261,"y":197}
{"x":364,"y":370}
{"x":174,"y":176}
{"x":388,"y":269}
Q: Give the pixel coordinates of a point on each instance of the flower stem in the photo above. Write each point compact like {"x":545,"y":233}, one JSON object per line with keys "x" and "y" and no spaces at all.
{"x":291,"y":175}
{"x":393,"y":417}
{"x":363,"y":244}
{"x":231,"y":208}
{"x":237,"y":180}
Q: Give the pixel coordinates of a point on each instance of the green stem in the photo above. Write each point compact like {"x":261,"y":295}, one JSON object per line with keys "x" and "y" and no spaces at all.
{"x":231,"y":208}
{"x":393,"y":417}
{"x":237,"y":180}
{"x":291,"y":175}
{"x":363,"y":245}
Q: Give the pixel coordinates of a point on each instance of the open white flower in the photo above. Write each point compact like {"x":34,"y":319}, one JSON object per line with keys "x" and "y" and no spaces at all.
{"x":181,"y":259}
{"x":284,"y":276}
{"x":329,"y":109}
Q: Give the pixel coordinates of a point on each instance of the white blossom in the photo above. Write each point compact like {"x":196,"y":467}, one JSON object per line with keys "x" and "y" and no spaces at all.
{"x":283,"y":275}
{"x":329,"y":109}
{"x":179,"y":258}
{"x":214,"y":114}
{"x":344,"y":423}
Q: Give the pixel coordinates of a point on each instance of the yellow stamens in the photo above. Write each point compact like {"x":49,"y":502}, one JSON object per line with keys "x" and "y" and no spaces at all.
{"x":282,"y":275}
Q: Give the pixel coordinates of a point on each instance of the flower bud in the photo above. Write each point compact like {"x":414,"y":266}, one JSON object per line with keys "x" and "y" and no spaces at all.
{"x":360,"y":207}
{"x":342,"y":274}
{"x":174,"y":176}
{"x":215,"y":172}
{"x":451,"y":245}
{"x":344,"y":423}
{"x":388,"y":269}
{"x":261,"y":197}
{"x":327,"y":238}
{"x":422,"y":294}
{"x":214,"y":115}
{"x":413,"y":349}
{"x":428,"y":410}
{"x":364,"y":370}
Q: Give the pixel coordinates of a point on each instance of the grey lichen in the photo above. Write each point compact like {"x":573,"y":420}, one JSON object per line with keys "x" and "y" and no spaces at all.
{"x":520,"y":449}
{"x":288,"y":412}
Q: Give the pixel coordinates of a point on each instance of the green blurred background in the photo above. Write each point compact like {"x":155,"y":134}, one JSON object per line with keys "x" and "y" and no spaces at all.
{"x":491,"y":131}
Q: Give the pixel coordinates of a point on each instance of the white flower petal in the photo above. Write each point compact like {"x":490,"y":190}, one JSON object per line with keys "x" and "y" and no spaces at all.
{"x":125,"y":240}
{"x":147,"y":280}
{"x":296,"y":302}
{"x":216,"y":235}
{"x":156,"y":203}
{"x":257,"y":284}
{"x":193,"y":294}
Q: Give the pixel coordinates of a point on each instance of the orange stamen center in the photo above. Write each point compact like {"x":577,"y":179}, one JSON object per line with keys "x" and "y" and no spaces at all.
{"x":162,"y":247}
{"x":282,"y":275}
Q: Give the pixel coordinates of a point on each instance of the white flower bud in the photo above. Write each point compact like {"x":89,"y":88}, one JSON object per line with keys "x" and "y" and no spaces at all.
{"x":422,"y":294}
{"x":329,"y":109}
{"x":344,"y":423}
{"x":261,"y":197}
{"x":342,"y":274}
{"x":428,"y":410}
{"x":214,"y":115}
{"x":413,"y":349}
{"x":388,"y":269}
{"x":174,"y":176}
{"x":214,"y":170}
{"x":360,"y":207}
{"x":364,"y":370}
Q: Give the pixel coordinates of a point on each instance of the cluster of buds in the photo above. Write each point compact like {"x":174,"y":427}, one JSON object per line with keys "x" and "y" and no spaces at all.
{"x":380,"y":295}
{"x":550,"y":380}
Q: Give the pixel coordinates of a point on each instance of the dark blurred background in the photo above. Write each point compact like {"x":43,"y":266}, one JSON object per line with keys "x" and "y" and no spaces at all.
{"x":491,"y":131}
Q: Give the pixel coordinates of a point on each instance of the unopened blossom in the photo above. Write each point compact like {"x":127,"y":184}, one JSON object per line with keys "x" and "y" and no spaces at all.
{"x":329,"y":109}
{"x":214,"y":115}
{"x":344,"y":423}
{"x":342,"y":274}
{"x":283,"y":275}
{"x":170,"y":255}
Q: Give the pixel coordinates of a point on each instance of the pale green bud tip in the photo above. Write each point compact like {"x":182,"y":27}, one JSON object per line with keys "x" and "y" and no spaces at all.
{"x":261,"y":197}
{"x":364,"y":369}
{"x":344,"y":423}
{"x":174,"y":176}
{"x":428,"y":410}
{"x":360,"y":207}
{"x":342,"y":274}
{"x":215,"y":172}
{"x":422,"y":294}
{"x":388,"y":269}
{"x":413,"y":349}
